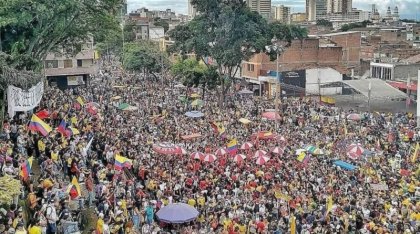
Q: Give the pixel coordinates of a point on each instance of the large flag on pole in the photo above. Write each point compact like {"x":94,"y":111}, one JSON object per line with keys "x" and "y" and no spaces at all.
{"x":37,"y":125}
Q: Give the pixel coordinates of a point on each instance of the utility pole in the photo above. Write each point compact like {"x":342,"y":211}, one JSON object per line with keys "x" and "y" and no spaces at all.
{"x":369,"y":91}
{"x":407,"y":102}
{"x":277,"y":92}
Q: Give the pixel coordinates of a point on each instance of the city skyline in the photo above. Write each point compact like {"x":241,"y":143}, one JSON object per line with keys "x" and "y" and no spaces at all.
{"x":408,"y":8}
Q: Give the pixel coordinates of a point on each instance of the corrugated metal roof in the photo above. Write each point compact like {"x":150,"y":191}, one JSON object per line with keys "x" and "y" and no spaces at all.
{"x":379,"y":89}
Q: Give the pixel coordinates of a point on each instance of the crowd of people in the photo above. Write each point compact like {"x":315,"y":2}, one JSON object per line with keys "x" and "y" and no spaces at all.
{"x":283,"y":192}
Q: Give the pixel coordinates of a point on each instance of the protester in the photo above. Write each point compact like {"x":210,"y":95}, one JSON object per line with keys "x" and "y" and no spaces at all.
{"x":80,"y":163}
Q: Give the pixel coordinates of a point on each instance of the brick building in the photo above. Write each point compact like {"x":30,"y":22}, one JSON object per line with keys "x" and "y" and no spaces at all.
{"x":350,"y":42}
{"x":307,"y":53}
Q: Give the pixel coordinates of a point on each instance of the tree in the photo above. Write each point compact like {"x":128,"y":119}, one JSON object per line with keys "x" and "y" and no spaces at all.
{"x":226,"y":31}
{"x":162,"y":23}
{"x":31,"y":29}
{"x":192,"y":73}
{"x":144,"y":56}
{"x":324,"y":22}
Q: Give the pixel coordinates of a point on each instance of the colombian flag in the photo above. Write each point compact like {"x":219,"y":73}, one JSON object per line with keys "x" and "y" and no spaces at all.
{"x":415,"y":154}
{"x":62,"y":128}
{"x":26,"y":168}
{"x":218,"y":127}
{"x":37,"y":125}
{"x":74,"y":189}
{"x":121,"y":162}
{"x":80,"y":100}
{"x":74,"y":131}
{"x":232,"y":146}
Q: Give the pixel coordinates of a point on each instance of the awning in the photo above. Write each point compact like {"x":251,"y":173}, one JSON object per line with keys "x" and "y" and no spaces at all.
{"x":403,"y":85}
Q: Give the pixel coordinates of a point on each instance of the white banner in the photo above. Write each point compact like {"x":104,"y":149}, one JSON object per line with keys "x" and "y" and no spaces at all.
{"x":75,"y":80}
{"x":23,"y":100}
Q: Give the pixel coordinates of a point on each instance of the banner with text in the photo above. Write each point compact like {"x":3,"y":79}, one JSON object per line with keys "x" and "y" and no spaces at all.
{"x":23,"y":100}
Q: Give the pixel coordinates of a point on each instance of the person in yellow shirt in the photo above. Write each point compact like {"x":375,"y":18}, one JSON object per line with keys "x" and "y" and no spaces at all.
{"x":41,"y":146}
{"x":34,"y":228}
{"x":192,"y":202}
{"x":201,"y":201}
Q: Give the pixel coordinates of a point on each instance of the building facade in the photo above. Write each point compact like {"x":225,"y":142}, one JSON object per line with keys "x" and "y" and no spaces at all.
{"x":263,"y":7}
{"x":64,"y":70}
{"x":298,"y":17}
{"x":282,"y":14}
{"x":192,"y":11}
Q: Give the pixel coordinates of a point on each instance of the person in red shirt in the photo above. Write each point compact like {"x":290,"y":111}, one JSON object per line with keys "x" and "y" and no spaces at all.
{"x":260,"y":227}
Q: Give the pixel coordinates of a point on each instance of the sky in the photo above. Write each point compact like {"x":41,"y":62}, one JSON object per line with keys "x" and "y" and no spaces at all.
{"x":407,"y":8}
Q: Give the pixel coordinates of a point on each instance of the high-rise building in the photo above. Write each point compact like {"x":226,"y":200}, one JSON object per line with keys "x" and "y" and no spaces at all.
{"x":192,"y":11}
{"x":263,"y":7}
{"x":311,"y":10}
{"x":320,"y":8}
{"x":282,"y":14}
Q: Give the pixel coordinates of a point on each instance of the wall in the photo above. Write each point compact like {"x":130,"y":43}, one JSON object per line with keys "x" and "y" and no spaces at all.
{"x":300,"y":55}
{"x":401,"y":72}
{"x":351,"y":43}
{"x":325,"y":75}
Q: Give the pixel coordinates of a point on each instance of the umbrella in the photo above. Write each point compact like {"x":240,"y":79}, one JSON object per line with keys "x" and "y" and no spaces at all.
{"x":261,"y":160}
{"x":127,"y":107}
{"x":270,"y":115}
{"x":197,"y":102}
{"x":194,"y":114}
{"x":354,"y":151}
{"x":95,"y":104}
{"x":123,"y":106}
{"x":179,"y":86}
{"x":239,"y":158}
{"x":354,"y":117}
{"x":277,"y":150}
{"x":298,"y":151}
{"x":281,"y":138}
{"x":246,"y":146}
{"x":195,"y":95}
{"x":197,"y":155}
{"x":168,"y":149}
{"x":116,"y":98}
{"x":314,"y":150}
{"x":221,"y":152}
{"x":131,"y":108}
{"x":244,"y":121}
{"x":260,"y":153}
{"x":177,"y":213}
{"x":182,"y":98}
{"x":210,"y":158}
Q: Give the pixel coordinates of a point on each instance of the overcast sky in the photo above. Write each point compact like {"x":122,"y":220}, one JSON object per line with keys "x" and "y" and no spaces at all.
{"x":408,"y":8}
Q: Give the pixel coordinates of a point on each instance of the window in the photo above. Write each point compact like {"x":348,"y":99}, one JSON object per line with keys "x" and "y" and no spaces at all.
{"x":79,"y":63}
{"x":51,"y":63}
{"x":68,"y":63}
{"x":250,"y":67}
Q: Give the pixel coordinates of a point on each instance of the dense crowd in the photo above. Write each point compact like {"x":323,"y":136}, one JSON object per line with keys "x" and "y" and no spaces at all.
{"x":278,"y":195}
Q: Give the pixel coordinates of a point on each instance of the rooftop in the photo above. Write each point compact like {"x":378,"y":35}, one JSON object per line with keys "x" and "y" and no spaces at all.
{"x":379,"y":89}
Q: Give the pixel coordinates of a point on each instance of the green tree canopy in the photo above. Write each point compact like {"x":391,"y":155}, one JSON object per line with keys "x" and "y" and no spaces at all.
{"x":144,"y":56}
{"x":29,"y":30}
{"x":228,"y":32}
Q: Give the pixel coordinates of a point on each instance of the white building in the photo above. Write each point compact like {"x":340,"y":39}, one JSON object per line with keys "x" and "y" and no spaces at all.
{"x":192,"y":11}
{"x":317,"y":77}
{"x":156,"y":33}
{"x":281,"y":14}
{"x":263,"y":7}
